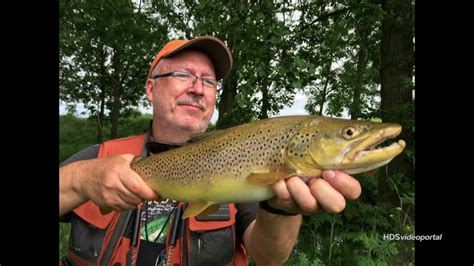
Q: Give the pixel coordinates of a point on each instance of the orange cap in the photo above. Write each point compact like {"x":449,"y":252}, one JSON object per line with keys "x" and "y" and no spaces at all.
{"x":213,"y":47}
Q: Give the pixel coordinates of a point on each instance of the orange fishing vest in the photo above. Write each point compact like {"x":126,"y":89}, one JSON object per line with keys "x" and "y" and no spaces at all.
{"x":98,"y":239}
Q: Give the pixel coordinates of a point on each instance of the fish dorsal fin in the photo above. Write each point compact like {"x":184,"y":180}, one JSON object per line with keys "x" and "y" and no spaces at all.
{"x":204,"y":135}
{"x":200,"y":208}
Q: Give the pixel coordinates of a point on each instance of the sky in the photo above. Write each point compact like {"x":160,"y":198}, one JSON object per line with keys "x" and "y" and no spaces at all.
{"x":296,"y":109}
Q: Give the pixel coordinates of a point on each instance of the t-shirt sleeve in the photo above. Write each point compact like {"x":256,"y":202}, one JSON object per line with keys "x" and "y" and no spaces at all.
{"x":90,"y":152}
{"x":247,"y":212}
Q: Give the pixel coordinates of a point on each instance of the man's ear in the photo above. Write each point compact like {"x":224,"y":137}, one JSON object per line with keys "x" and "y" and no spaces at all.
{"x":149,"y":89}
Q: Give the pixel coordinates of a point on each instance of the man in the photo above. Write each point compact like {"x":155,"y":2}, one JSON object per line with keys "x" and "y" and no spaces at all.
{"x":98,"y":188}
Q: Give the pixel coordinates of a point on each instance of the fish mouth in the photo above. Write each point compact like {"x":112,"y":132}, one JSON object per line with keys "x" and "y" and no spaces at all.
{"x":368,"y":155}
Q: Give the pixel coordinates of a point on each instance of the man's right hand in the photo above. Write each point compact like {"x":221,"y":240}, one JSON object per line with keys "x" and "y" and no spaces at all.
{"x":109,"y":182}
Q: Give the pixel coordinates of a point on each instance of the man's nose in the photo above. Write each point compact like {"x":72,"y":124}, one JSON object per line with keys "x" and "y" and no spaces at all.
{"x":198,"y":86}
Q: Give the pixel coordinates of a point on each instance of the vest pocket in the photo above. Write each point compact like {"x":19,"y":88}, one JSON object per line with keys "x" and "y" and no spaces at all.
{"x":214,"y":247}
{"x":86,"y":240}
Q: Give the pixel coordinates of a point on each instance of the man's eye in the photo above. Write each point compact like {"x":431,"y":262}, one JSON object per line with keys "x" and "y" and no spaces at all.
{"x":182,"y":75}
{"x":210,"y":82}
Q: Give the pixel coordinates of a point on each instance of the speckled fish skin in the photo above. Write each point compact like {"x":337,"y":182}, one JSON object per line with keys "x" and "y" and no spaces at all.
{"x":239,"y":164}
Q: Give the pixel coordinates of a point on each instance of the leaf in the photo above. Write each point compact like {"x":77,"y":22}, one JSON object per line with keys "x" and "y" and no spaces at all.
{"x":297,"y":84}
{"x":275,"y":39}
{"x":298,"y":62}
{"x":261,"y":72}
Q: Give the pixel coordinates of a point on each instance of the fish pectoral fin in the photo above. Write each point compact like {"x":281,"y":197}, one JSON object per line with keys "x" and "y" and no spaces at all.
{"x":266,"y":178}
{"x":136,"y":159}
{"x":210,"y":210}
{"x":200,"y":208}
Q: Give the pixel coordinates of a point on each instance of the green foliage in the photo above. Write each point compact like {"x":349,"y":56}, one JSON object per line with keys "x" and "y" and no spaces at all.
{"x":299,"y":258}
{"x":72,"y":140}
{"x":343,"y":45}
{"x":105,"y":51}
{"x":355,"y":236}
{"x":64,"y":230}
{"x":329,"y":50}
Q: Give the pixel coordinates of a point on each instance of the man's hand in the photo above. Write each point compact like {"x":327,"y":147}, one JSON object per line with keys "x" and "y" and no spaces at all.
{"x":109,"y":182}
{"x":271,"y":237}
{"x":329,"y":193}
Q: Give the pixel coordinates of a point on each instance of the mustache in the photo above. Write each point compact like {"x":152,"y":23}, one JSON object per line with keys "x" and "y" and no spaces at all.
{"x":193,"y":99}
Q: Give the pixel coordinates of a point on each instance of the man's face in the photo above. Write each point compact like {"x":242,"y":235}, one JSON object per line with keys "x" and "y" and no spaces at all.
{"x":179,"y":104}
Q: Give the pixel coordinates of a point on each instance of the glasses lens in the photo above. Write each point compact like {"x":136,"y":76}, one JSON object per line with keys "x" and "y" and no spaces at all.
{"x":210,"y":83}
{"x":183,"y":76}
{"x":186,"y":77}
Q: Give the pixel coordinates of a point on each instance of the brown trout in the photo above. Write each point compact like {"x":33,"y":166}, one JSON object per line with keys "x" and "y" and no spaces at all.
{"x":239,"y":164}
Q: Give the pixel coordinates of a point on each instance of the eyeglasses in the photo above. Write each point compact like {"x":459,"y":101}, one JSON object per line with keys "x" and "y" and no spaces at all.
{"x":187,"y":77}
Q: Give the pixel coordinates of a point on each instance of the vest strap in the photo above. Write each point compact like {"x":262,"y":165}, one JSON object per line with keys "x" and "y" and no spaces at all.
{"x":118,"y":232}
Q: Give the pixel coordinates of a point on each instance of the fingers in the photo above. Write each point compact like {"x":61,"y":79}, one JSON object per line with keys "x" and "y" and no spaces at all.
{"x":126,"y":196}
{"x":283,"y":199}
{"x":131,"y":190}
{"x":117,"y":187}
{"x":302,"y":195}
{"x":127,"y":201}
{"x":328,"y":197}
{"x":282,"y":192}
{"x":328,"y":193}
{"x":135,"y":184}
{"x":118,"y":199}
{"x":293,"y":195}
{"x":348,"y":186}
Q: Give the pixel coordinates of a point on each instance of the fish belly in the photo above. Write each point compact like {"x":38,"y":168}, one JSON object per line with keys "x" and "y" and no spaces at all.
{"x":220,"y":191}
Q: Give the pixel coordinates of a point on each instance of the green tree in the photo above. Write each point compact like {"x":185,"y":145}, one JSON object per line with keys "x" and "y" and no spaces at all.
{"x":105,"y":51}
{"x":262,"y":81}
{"x":396,"y":75}
{"x":339,"y":38}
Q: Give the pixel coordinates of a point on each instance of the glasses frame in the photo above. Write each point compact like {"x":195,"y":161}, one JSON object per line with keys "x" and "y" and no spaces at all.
{"x":175,"y":74}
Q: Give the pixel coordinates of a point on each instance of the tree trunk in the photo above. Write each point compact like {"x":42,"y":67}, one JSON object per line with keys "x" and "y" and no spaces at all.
{"x":268,"y":13}
{"x":100,"y":116}
{"x":265,"y":100}
{"x":227,"y":102}
{"x":323,"y":96}
{"x":115,"y":112}
{"x":103,"y":92}
{"x":356,"y":105}
{"x":396,"y":74}
{"x":117,"y":84}
{"x":229,"y":88}
{"x":325,"y":88}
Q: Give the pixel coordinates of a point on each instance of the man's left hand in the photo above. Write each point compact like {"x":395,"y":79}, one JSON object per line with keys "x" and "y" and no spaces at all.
{"x":328,"y":193}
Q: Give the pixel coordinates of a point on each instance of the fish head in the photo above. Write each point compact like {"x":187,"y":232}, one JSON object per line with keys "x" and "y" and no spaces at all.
{"x":342,"y":144}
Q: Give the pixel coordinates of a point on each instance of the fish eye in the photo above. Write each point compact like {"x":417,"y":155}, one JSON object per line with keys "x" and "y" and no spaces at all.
{"x":350,"y":132}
